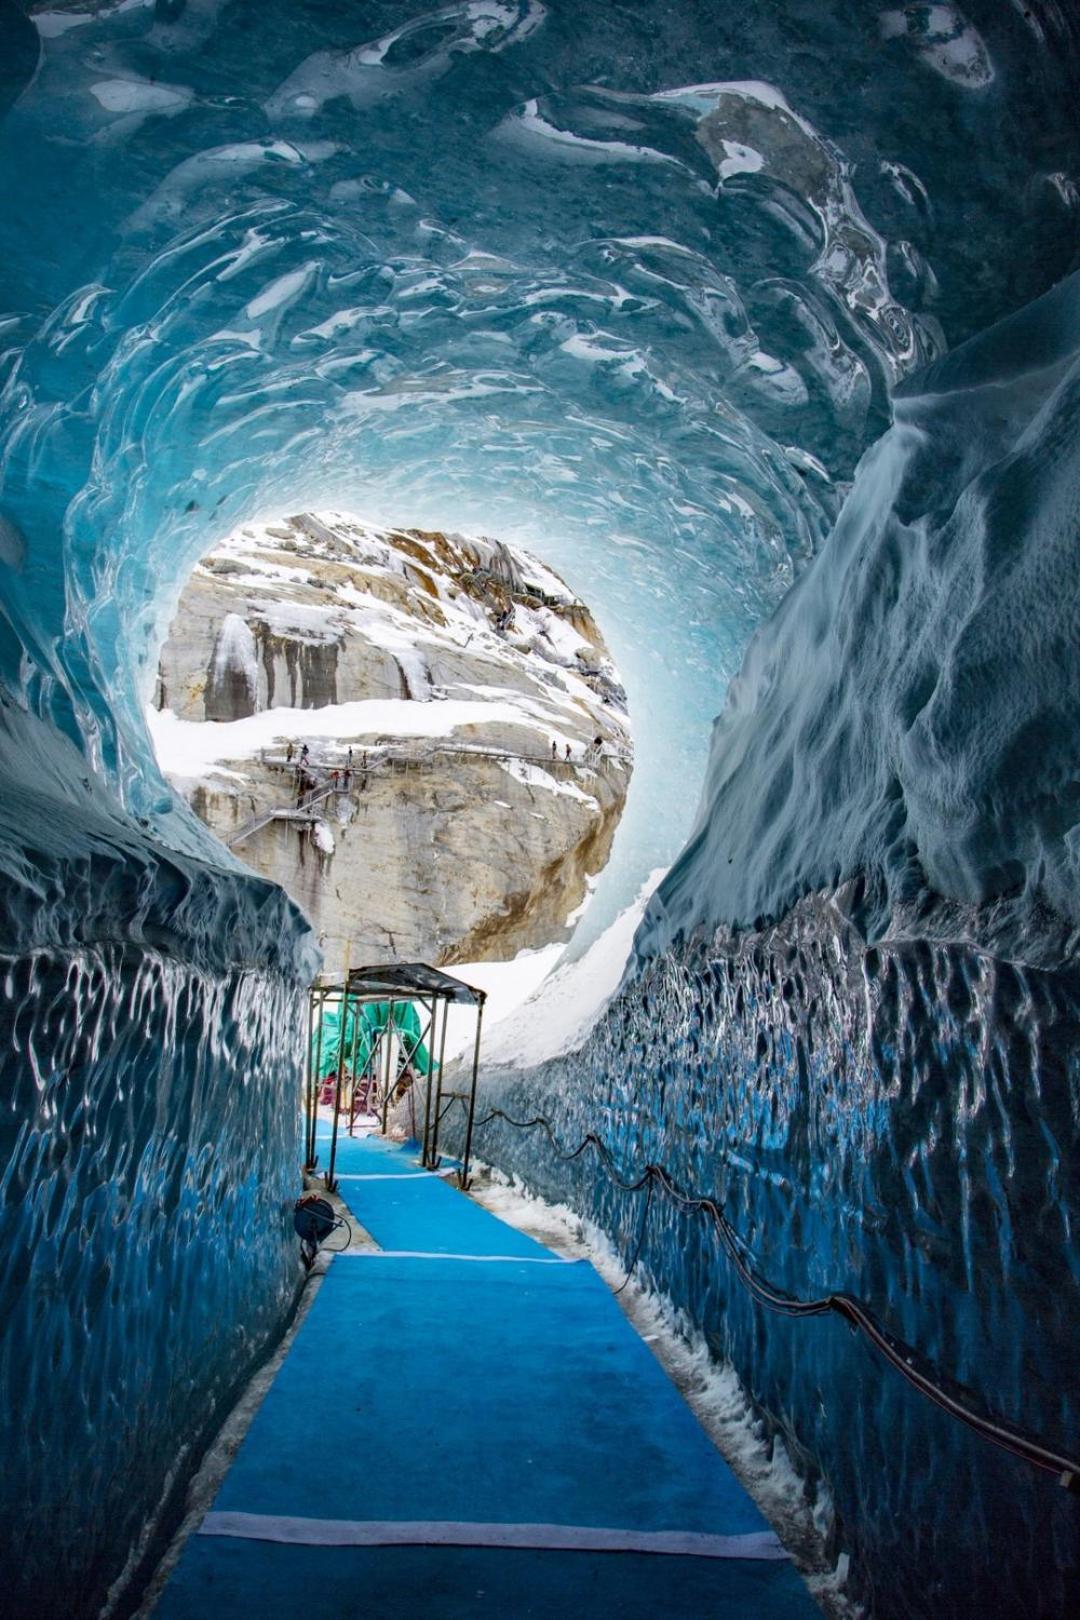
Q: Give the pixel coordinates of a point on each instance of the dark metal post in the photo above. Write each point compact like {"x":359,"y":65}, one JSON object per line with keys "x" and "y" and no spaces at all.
{"x":313,"y":1157}
{"x":432,"y":1031}
{"x":434,"y":1165}
{"x":472,"y":1097}
{"x":425,"y":1156}
{"x":331,"y":1185}
{"x":352,"y":1060}
{"x":442,"y":1042}
{"x":388,"y":1035}
{"x":307,"y":1076}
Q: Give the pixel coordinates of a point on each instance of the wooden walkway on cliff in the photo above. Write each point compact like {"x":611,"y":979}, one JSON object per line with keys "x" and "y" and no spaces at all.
{"x":466,"y":1424}
{"x":400,"y":758}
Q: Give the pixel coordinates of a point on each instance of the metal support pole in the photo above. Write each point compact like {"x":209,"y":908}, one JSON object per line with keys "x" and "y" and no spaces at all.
{"x":442,"y":1048}
{"x":388,"y":1035}
{"x":313,"y":1157}
{"x":331,"y":1184}
{"x":429,"y":1031}
{"x":434,"y":1165}
{"x":308,"y":1110}
{"x":464,"y":1178}
{"x":352,"y":1062}
{"x":313,"y":1070}
{"x":425,"y":1156}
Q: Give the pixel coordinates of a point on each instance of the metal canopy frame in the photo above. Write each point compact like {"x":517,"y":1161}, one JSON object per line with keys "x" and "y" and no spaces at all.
{"x":394,"y":983}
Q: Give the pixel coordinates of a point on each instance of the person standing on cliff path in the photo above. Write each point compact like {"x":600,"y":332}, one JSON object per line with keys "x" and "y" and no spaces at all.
{"x":568,"y":753}
{"x":554,"y":749}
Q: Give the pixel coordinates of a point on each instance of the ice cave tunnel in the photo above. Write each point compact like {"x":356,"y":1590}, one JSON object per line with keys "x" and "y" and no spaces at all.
{"x":759,"y":323}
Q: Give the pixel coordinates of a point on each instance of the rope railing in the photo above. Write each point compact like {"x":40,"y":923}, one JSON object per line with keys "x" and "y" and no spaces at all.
{"x":378,"y":756}
{"x":945,"y":1392}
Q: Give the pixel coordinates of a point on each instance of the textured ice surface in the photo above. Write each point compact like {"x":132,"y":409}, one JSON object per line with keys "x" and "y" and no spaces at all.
{"x":899,"y":1122}
{"x":149,"y":1257}
{"x":911,"y":715}
{"x":882,"y":1087}
{"x":633,"y":285}
{"x":350,"y":267}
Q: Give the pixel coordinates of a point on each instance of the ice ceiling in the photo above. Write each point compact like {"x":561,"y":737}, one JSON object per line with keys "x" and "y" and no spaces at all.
{"x":629,"y":283}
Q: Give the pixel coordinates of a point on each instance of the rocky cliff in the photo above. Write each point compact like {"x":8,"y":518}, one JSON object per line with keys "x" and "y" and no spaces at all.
{"x":467,"y":746}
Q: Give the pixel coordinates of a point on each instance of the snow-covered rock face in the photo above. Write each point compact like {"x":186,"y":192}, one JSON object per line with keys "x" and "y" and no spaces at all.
{"x":323,"y":609}
{"x":635,"y":286}
{"x":466,"y":700}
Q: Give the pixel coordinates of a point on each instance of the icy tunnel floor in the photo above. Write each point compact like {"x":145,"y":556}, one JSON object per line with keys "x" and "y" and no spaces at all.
{"x":469,"y":1378}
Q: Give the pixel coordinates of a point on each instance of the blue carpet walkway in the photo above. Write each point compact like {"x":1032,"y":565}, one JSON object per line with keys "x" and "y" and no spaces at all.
{"x":467,"y":1425}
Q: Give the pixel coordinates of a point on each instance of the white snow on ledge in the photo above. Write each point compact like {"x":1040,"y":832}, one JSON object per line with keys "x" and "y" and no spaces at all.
{"x":537,"y":1010}
{"x":187,"y":749}
{"x":535,"y":776}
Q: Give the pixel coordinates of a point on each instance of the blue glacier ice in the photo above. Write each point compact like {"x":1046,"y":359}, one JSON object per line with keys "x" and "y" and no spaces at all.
{"x":761,"y":324}
{"x":852,"y":1016}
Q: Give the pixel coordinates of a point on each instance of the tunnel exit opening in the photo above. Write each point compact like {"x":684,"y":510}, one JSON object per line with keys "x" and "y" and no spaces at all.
{"x":422,"y":736}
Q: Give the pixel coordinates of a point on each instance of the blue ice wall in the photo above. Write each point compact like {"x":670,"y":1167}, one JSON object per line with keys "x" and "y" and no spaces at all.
{"x":152,"y":1015}
{"x":898,"y":1122}
{"x":855,"y":1008}
{"x":636,"y":285}
{"x":150,"y":1169}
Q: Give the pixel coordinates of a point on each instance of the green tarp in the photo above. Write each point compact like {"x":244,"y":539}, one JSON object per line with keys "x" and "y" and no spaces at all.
{"x":374,"y":1016}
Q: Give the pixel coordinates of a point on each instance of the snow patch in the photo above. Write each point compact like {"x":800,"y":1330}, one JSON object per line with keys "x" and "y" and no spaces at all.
{"x":567,"y":1000}
{"x":535,"y":776}
{"x":187,"y":748}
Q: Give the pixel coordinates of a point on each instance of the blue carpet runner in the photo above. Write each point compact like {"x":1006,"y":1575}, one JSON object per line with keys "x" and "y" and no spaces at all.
{"x":467,"y":1425}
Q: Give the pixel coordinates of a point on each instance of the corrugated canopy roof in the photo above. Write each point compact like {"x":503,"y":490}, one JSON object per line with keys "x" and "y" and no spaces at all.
{"x":403,"y":979}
